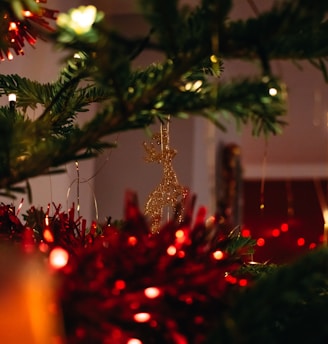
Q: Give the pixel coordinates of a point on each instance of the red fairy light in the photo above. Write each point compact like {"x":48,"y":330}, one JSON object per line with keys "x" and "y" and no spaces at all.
{"x":246,"y":233}
{"x":231,"y":279}
{"x":120,"y":284}
{"x":312,"y":245}
{"x":132,"y":241}
{"x":260,"y":242}
{"x":47,"y":235}
{"x":275,"y":232}
{"x":243,"y":282}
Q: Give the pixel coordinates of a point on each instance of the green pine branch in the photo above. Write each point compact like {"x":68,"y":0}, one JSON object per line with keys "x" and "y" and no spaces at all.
{"x":286,"y":303}
{"x":194,"y":42}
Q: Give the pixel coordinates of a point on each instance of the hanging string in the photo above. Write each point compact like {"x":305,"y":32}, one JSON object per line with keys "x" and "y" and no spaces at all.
{"x":290,"y":199}
{"x":93,"y":194}
{"x":263,"y":175}
{"x":79,"y":181}
{"x":77,"y":188}
{"x":104,"y":163}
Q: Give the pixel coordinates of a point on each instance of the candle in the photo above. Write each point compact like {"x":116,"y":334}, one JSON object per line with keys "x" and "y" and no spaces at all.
{"x":28,"y":311}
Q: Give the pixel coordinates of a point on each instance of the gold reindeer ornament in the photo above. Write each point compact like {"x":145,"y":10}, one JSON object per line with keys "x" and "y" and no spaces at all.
{"x":169,"y":194}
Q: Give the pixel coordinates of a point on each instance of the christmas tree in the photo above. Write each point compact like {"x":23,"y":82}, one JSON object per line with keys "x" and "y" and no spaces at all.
{"x":190,"y":281}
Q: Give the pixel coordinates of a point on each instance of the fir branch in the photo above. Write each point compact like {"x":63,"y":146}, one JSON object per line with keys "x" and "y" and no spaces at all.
{"x":289,"y":30}
{"x":133,"y":99}
{"x":249,"y":101}
{"x":294,"y":304}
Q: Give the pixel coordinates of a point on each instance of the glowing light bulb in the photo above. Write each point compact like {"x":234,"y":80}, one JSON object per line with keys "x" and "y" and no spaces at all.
{"x":134,"y":341}
{"x":27,"y":14}
{"x":260,"y":242}
{"x":214,"y":59}
{"x":275,"y":232}
{"x":12,"y":26}
{"x":231,"y":279}
{"x":79,"y":20}
{"x":273,"y":91}
{"x":197,"y":85}
{"x":58,"y":258}
{"x":243,"y":282}
{"x":218,"y":255}
{"x":141,"y":317}
{"x":284,"y":227}
{"x":48,"y":236}
{"x":179,"y":233}
{"x":171,"y":250}
{"x":180,"y":236}
{"x":246,"y":233}
{"x":132,"y":240}
{"x":12,"y":97}
{"x":152,"y":292}
{"x":120,"y":284}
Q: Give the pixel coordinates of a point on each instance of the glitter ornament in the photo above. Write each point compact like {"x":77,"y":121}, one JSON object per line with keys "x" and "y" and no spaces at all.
{"x":169,"y":193}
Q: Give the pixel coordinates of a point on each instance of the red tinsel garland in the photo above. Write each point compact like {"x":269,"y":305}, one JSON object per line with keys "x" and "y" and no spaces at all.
{"x":126,"y":285}
{"x":17,"y":31}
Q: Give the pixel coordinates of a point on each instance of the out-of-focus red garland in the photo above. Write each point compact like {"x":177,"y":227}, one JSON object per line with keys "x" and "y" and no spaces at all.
{"x":19,"y":31}
{"x":122,"y":284}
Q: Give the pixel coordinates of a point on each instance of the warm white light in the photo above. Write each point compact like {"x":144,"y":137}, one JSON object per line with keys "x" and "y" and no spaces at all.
{"x":171,"y":250}
{"x":12,"y":26}
{"x":193,"y":86}
{"x":188,"y":86}
{"x":197,"y":85}
{"x":218,"y":255}
{"x":152,"y":292}
{"x":273,"y":91}
{"x":58,"y":257}
{"x":325,"y":216}
{"x":27,"y":14}
{"x":80,"y":19}
{"x":180,"y":236}
{"x":12,"y":97}
{"x":134,"y":341}
{"x":179,"y":233}
{"x":141,"y":317}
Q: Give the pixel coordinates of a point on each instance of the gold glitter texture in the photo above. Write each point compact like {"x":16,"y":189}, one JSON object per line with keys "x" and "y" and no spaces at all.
{"x":169,"y":194}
